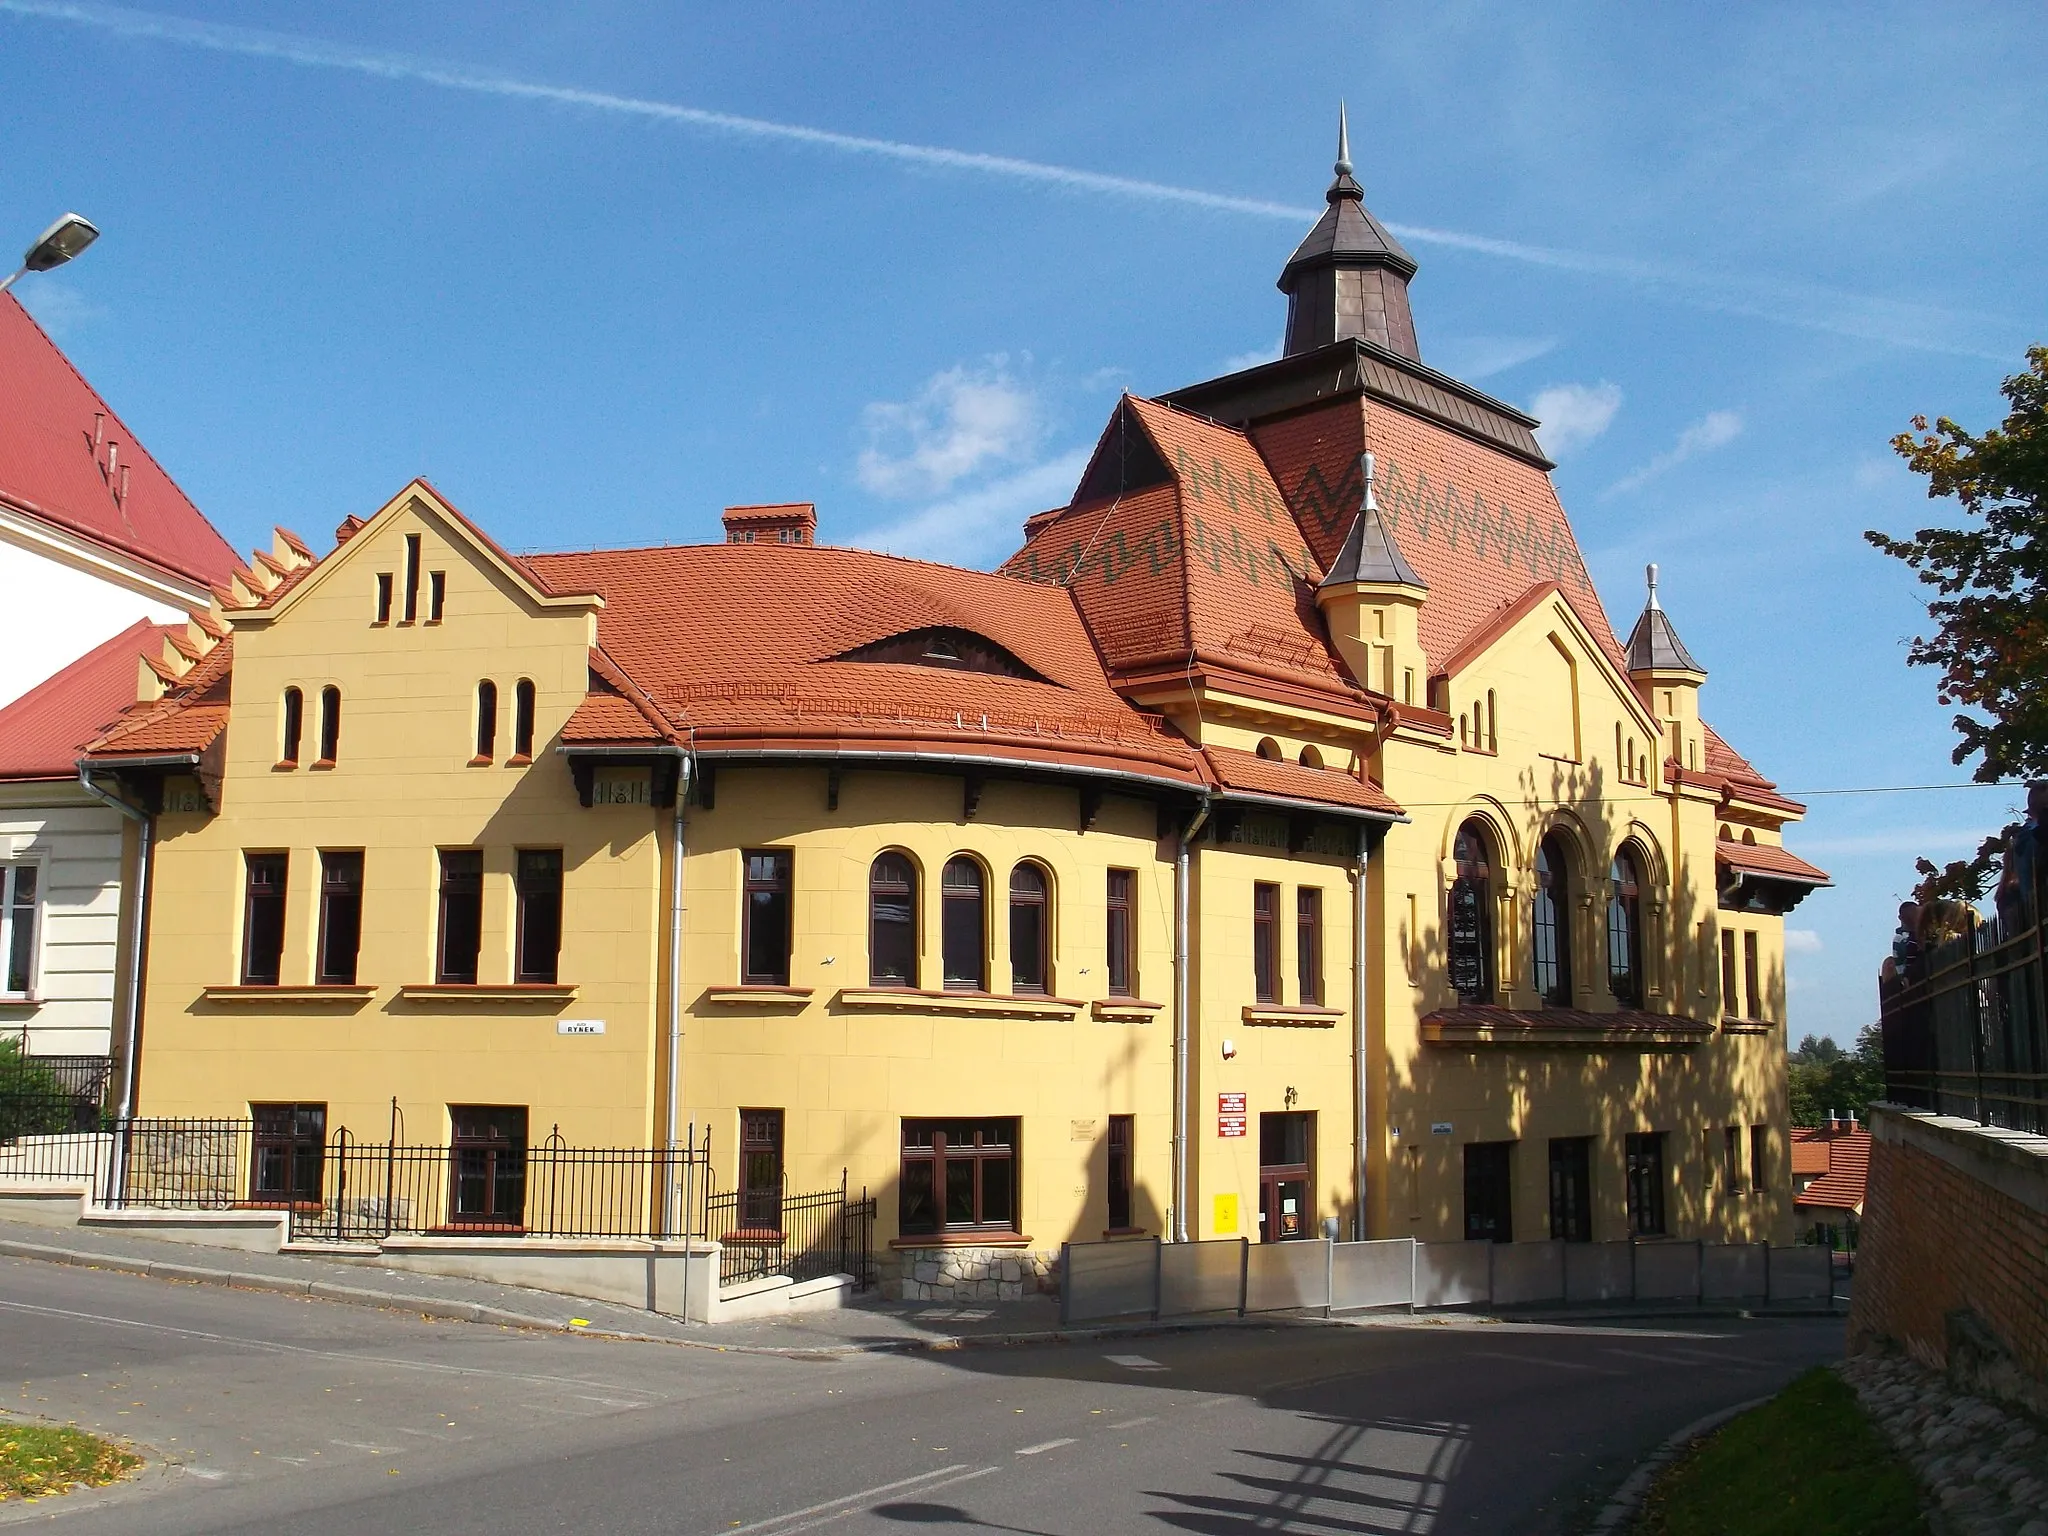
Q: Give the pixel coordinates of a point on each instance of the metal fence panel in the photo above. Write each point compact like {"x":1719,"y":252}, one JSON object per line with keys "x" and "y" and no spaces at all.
{"x":186,"y":1165}
{"x":1282,"y":1276}
{"x":1201,"y":1277}
{"x":1667,"y":1271}
{"x":1801,"y":1274}
{"x":1116,"y":1279}
{"x":1452,"y":1274}
{"x":35,"y":1159}
{"x":1372,"y":1274}
{"x":1599,"y":1272}
{"x":1731,"y":1271}
{"x":1526,"y":1273}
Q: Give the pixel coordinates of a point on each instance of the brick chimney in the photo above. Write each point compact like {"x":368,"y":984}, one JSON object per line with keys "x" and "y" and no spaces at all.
{"x":788,"y":522}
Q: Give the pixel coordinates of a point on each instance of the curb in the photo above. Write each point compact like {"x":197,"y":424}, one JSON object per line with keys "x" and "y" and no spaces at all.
{"x":1628,"y":1498}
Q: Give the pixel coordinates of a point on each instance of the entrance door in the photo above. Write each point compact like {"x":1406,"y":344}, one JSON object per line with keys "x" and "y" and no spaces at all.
{"x":760,"y":1170}
{"x":1287,"y":1155}
{"x":1571,"y":1189}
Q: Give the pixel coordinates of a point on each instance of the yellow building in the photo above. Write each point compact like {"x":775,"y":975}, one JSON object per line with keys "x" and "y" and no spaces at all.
{"x":1032,"y":900}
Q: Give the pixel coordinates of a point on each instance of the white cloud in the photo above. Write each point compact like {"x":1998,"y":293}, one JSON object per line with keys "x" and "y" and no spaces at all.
{"x":1478,"y":357}
{"x":1716,"y":429}
{"x":1801,"y":941}
{"x":961,"y":421}
{"x":981,"y":526}
{"x":58,"y":308}
{"x":1574,"y":414}
{"x":1253,"y":358}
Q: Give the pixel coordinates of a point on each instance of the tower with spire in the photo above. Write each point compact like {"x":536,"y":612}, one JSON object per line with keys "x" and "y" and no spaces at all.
{"x":1668,"y":677}
{"x":1372,"y":600}
{"x":1349,"y":278}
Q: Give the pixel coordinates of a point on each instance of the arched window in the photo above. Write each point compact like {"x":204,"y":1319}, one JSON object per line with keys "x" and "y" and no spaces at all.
{"x":963,"y":926}
{"x":330,"y":724}
{"x":1551,"y":930}
{"x":1269,"y":749}
{"x":1625,"y":929}
{"x":892,"y":922}
{"x":1470,"y":925}
{"x":522,"y":719}
{"x":486,"y":721}
{"x":1311,"y":758}
{"x":1030,"y":929}
{"x":294,"y":723}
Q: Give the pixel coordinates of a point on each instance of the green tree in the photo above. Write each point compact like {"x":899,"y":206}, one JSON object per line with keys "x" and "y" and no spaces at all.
{"x":1826,"y":1079}
{"x":33,"y":1102}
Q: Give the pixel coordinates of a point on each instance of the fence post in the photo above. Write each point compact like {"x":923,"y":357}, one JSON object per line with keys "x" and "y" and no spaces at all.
{"x":1244,"y":1274}
{"x":1066,"y":1283}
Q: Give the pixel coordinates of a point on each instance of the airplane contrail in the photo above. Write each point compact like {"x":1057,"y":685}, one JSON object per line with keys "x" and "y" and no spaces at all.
{"x":1806,"y":306}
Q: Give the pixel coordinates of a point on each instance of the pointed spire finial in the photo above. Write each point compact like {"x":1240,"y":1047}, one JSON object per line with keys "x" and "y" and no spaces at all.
{"x":1650,"y":571}
{"x":1343,"y":142}
{"x":1370,"y":502}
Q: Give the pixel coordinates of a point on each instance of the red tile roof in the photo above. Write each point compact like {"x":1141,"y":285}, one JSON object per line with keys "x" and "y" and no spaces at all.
{"x":43,"y":733}
{"x":1775,"y":863}
{"x":187,"y":719}
{"x":1842,"y":1187}
{"x":1281,"y":780}
{"x":52,"y":462}
{"x":1739,"y":780}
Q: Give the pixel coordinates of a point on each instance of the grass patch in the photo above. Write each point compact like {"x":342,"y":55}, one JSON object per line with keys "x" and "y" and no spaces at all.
{"x":1807,"y":1463}
{"x":36,"y":1460}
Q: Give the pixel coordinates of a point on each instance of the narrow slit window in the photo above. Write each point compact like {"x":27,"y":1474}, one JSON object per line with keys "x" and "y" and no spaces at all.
{"x":1759,"y":1158}
{"x":437,"y":596}
{"x":1122,"y":1173}
{"x":522,"y":721}
{"x":330,"y":725}
{"x":1730,"y":1003}
{"x":341,"y":916}
{"x":1308,"y":944}
{"x":1123,"y":969}
{"x":383,"y":598}
{"x":293,"y":724}
{"x":1265,"y":943}
{"x":1752,"y":978}
{"x":263,"y":918}
{"x":539,"y":886}
{"x":486,"y":722}
{"x":412,"y":578}
{"x":462,"y":916}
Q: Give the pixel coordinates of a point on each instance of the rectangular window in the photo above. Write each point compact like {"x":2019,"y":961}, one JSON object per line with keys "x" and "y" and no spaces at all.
{"x":383,"y":598}
{"x":1646,"y":1184}
{"x":1123,"y":970}
{"x":412,"y":577}
{"x":487,"y":1165}
{"x":1308,"y":944}
{"x":293,"y":726}
{"x":1571,"y":1189}
{"x":1753,"y":992}
{"x":462,"y":916}
{"x":760,"y":1170}
{"x":437,"y":596}
{"x":1122,"y":1172}
{"x":1489,"y":1192}
{"x":764,"y":941}
{"x":263,"y":918}
{"x":1732,"y":1158}
{"x":289,"y":1143}
{"x":341,"y":916}
{"x":1759,"y":1158}
{"x":1729,"y":1001}
{"x":1265,"y":943}
{"x":18,"y":925}
{"x":958,"y":1176}
{"x":539,"y":883}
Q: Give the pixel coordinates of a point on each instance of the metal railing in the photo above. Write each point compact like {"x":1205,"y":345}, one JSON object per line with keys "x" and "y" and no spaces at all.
{"x":806,"y":1237}
{"x":52,"y":1110}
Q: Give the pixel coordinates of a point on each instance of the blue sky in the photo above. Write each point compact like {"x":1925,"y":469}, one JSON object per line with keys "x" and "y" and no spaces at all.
{"x":601,"y":270}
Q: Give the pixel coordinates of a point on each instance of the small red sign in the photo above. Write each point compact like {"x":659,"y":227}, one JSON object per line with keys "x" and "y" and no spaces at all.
{"x":1230,"y":1114}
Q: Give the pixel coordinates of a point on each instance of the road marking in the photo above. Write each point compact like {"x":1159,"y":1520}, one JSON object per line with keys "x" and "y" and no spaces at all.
{"x":1136,"y":1362}
{"x":1045,"y":1445}
{"x":374,"y":1450}
{"x":849,"y":1498}
{"x":1562,"y":1365}
{"x":1133,"y":1423}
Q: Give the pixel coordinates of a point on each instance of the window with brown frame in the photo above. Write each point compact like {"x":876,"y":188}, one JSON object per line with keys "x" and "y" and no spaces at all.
{"x":288,"y":1145}
{"x":412,"y":578}
{"x":765,"y":918}
{"x":1469,"y":921}
{"x":538,"y":883}
{"x":760,"y":1192}
{"x":1759,"y":1158}
{"x":1625,"y":930}
{"x":462,"y":917}
{"x":1265,"y":943}
{"x":383,"y":598}
{"x":486,"y":722}
{"x":1731,"y":1003}
{"x":963,"y":926}
{"x":293,"y":727}
{"x":341,"y":916}
{"x":437,"y":596}
{"x":1752,"y":978}
{"x":1732,"y":1153}
{"x":1308,"y":945}
{"x":1123,"y":970}
{"x":1030,"y":932}
{"x":487,"y":1165}
{"x":330,"y":726}
{"x":1122,"y":1172}
{"x":892,"y":922}
{"x":1550,"y":929}
{"x":522,"y":720}
{"x":263,"y":918}
{"x":1645,"y":1171}
{"x":958,"y":1176}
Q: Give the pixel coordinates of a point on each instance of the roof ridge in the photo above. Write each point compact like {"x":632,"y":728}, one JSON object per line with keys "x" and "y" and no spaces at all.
{"x":783,"y":550}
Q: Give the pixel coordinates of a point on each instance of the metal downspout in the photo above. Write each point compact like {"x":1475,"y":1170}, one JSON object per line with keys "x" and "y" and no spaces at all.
{"x":677,"y":1212}
{"x":1361,"y":994}
{"x":1182,"y":1110}
{"x":131,"y":1025}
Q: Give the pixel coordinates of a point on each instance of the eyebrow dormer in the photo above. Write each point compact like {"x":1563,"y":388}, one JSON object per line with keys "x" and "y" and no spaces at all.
{"x":953,"y":650}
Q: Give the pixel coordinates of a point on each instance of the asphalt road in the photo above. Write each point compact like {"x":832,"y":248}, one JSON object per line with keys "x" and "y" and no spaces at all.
{"x":263,"y":1413}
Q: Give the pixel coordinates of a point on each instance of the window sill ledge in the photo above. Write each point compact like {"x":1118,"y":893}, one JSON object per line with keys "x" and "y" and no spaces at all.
{"x":472,"y":992}
{"x":993,"y":1005}
{"x":1746,"y":1026}
{"x":1117,"y":1232}
{"x":757,"y":997}
{"x":1124,"y":1010}
{"x":1299,"y":1018}
{"x":262,"y":996}
{"x":19,"y":1000}
{"x":961,"y":1240}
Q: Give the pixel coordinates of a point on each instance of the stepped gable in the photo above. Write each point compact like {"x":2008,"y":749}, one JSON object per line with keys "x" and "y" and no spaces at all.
{"x":43,"y":732}
{"x":67,"y":460}
{"x":1740,"y":779}
{"x":1181,"y":551}
{"x":745,"y":645}
{"x":188,"y":718}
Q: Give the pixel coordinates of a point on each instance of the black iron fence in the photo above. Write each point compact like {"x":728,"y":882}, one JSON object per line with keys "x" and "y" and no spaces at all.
{"x":51,"y":1110}
{"x":803,"y":1236}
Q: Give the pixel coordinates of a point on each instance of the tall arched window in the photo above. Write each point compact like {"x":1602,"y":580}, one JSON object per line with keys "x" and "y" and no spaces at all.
{"x":486,"y":721}
{"x":294,"y":722}
{"x":1551,"y":930}
{"x":1030,"y":929}
{"x":892,"y":922}
{"x":1469,"y":927}
{"x":1625,"y":929}
{"x":330,"y":724}
{"x":963,"y":926}
{"x":522,"y":719}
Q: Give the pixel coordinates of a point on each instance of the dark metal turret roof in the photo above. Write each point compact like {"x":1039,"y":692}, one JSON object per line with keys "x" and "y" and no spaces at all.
{"x":1346,"y":231}
{"x":1369,"y":553}
{"x":1653,"y":645}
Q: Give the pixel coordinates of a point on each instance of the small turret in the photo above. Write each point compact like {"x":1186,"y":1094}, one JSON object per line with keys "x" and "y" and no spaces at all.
{"x":1668,"y":678}
{"x":1372,"y":600}
{"x":1349,"y":277}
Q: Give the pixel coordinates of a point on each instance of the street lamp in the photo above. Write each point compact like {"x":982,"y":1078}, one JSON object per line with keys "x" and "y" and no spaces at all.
{"x":55,"y":246}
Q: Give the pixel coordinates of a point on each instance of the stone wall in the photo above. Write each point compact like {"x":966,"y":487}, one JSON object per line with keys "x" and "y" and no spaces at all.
{"x":973,"y":1274}
{"x":1953,"y":1266}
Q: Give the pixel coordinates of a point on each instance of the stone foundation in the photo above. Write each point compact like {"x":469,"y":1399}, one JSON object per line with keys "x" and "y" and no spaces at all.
{"x":972,"y":1274}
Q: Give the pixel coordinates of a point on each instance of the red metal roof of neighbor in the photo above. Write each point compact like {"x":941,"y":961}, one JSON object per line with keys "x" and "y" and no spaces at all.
{"x":51,"y":469}
{"x":43,"y":732}
{"x":1842,"y":1187}
{"x":741,"y":644}
{"x":1282,"y":780}
{"x":1775,"y":863}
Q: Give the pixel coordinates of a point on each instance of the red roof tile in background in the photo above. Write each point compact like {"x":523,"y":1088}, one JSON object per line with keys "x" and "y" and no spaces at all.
{"x":1843,"y":1186}
{"x":43,"y":733}
{"x":50,"y":468}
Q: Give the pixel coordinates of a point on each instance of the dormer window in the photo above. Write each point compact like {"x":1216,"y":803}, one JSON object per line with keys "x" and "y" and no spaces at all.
{"x":956,"y":650}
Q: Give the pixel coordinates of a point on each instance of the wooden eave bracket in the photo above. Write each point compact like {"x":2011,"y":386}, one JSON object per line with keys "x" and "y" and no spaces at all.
{"x":1124,"y":1010}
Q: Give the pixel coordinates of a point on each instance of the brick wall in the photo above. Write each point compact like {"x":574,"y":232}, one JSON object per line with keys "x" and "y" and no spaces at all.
{"x":1956,"y":1219}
